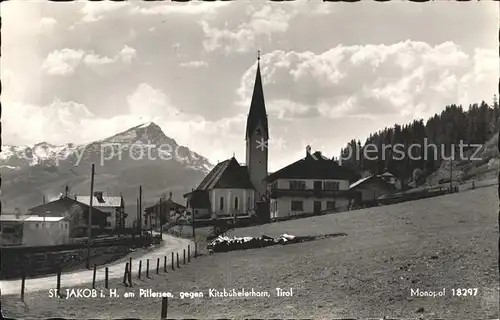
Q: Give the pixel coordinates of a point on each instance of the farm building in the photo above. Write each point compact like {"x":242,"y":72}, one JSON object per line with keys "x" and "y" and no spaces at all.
{"x":11,"y":229}
{"x":76,"y":212}
{"x":160,"y":212}
{"x":370,"y":189}
{"x":113,"y":207}
{"x":45,"y":231}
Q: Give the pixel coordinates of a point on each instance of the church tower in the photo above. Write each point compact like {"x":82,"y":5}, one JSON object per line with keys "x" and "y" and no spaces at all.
{"x":257,"y":138}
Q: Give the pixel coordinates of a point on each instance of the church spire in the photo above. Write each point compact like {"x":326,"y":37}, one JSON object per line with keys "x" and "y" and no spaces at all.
{"x":257,"y":106}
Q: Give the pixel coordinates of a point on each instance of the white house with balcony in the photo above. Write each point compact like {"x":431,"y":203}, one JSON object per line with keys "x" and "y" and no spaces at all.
{"x":311,"y":185}
{"x":113,"y":207}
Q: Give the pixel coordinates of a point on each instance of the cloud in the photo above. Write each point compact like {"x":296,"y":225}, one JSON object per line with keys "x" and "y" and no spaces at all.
{"x":407,"y":79}
{"x":127,"y":54}
{"x":47,"y":24}
{"x":190,"y":8}
{"x":95,"y":11}
{"x":244,"y":37}
{"x":194,"y":64}
{"x":64,"y":62}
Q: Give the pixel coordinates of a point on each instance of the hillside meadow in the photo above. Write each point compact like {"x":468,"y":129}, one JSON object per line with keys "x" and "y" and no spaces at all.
{"x":446,"y":242}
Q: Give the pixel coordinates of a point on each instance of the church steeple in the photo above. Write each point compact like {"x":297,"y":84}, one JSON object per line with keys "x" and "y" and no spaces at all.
{"x":257,"y":106}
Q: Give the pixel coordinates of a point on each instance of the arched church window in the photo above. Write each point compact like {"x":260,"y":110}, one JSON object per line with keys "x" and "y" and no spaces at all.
{"x":236,"y":203}
{"x":259,"y":132}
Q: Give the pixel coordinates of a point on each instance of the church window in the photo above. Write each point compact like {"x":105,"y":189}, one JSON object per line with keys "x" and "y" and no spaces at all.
{"x":259,"y":132}
{"x":236,"y":203}
{"x":221,"y":203}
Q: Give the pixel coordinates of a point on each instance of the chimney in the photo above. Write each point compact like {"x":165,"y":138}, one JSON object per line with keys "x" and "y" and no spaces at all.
{"x":17,"y":213}
{"x":66,"y":191}
{"x":308,"y":150}
{"x":98,"y":195}
{"x":170,"y":196}
{"x":43,"y":200}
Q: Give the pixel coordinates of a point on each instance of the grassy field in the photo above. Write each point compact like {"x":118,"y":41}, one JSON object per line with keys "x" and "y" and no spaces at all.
{"x":445,"y":242}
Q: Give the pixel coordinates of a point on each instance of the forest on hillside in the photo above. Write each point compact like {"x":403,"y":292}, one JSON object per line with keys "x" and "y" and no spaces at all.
{"x":436,"y":140}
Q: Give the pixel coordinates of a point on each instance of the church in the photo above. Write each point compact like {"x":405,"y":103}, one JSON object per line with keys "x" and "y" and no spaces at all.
{"x":232,"y":189}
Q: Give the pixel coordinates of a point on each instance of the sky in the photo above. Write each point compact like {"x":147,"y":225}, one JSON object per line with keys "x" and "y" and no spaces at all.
{"x":82,"y":71}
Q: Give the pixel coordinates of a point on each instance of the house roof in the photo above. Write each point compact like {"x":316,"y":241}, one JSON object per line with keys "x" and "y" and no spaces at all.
{"x":114,"y":202}
{"x":387,"y":174}
{"x":43,"y":219}
{"x":12,"y":218}
{"x":59,"y":205}
{"x":257,"y":107}
{"x":228,"y":174}
{"x":168,"y":203}
{"x":370,"y":178}
{"x":313,"y":166}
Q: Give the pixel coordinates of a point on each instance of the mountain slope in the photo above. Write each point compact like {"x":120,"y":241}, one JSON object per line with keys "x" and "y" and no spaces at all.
{"x":142,"y":155}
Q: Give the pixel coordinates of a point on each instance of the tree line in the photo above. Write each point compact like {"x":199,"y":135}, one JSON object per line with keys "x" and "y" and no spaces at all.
{"x":433,"y":141}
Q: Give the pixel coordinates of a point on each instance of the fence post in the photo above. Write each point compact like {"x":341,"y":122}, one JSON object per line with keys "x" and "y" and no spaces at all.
{"x":164,"y":306}
{"x":157,"y":265}
{"x":165,"y":264}
{"x":139,"y":273}
{"x":125,"y":275}
{"x":106,"y":278}
{"x":189,"y":253}
{"x":130,"y":276}
{"x":178,"y":265}
{"x":195,"y":249}
{"x":130,"y":264}
{"x":58,"y":285}
{"x":93,"y":277}
{"x":173,"y":262}
{"x":23,"y":285}
{"x":184,"y":256}
{"x":147,"y":269}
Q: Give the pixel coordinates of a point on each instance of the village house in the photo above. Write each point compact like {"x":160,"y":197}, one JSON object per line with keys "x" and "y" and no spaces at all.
{"x":162,"y":212}
{"x":45,"y":231}
{"x":371,"y":188}
{"x":76,"y":213}
{"x":29,"y":230}
{"x":113,"y":207}
{"x":310,"y":185}
{"x":11,"y":229}
{"x":233,"y":189}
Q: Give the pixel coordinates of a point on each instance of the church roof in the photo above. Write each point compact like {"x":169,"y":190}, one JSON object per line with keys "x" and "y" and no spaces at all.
{"x":228,"y":174}
{"x":313,"y":167}
{"x":257,"y":107}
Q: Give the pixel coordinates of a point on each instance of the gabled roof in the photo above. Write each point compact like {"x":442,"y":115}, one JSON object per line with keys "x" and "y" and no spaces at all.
{"x":43,"y":219}
{"x":168,"y":203}
{"x":12,"y":218}
{"x":59,"y":205}
{"x":313,"y":166}
{"x":257,"y":107}
{"x":370,"y":178}
{"x":114,"y":202}
{"x":228,"y":174}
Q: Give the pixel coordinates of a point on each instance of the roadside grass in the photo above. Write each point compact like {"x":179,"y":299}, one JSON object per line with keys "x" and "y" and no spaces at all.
{"x":444,"y":242}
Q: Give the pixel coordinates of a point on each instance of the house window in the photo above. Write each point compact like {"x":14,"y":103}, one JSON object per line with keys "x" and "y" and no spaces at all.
{"x":36,"y":225}
{"x":318,"y":185}
{"x":221,"y":204}
{"x":66,"y":225}
{"x":274,"y":185}
{"x":236,"y":203}
{"x":331,"y":185}
{"x":330,"y":205}
{"x":297,"y":185}
{"x":297,"y":205}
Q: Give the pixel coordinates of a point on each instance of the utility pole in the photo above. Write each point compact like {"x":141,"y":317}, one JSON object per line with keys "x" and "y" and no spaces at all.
{"x":90,"y":215}
{"x":140,"y":209}
{"x":161,"y":218}
{"x":451,"y":175}
{"x":192,"y":221}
